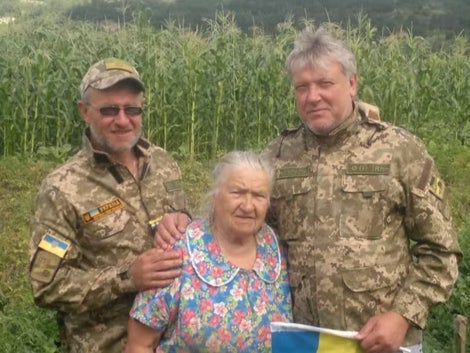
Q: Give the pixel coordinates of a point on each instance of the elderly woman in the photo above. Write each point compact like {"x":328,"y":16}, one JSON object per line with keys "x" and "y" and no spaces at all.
{"x":234,"y":280}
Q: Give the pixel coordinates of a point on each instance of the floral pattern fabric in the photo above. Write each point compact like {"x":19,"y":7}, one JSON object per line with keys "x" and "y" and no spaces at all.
{"x":215,"y":306}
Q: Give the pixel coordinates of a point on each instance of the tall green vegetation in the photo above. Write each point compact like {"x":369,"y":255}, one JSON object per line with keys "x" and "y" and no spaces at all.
{"x":208,"y":91}
{"x":218,"y":89}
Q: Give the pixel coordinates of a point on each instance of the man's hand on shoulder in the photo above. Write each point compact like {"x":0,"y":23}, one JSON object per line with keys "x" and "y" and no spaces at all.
{"x":383,"y":333}
{"x":155,"y":268}
{"x":171,"y":227}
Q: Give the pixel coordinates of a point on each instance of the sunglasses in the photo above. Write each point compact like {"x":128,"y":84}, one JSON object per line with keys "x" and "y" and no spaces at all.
{"x":114,"y":110}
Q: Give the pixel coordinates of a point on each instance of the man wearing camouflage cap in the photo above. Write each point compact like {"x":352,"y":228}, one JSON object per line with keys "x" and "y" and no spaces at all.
{"x":351,"y":195}
{"x":92,"y":236}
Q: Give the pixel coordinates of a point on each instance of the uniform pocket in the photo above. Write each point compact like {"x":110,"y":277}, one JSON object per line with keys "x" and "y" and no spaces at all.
{"x":363,"y":206}
{"x":290,"y":200}
{"x":370,"y":290}
{"x":107,"y":226}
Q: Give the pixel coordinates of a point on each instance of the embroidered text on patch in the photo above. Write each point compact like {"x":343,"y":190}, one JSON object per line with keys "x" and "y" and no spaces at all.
{"x":102,"y":211}
{"x":286,"y":173}
{"x":368,"y":169}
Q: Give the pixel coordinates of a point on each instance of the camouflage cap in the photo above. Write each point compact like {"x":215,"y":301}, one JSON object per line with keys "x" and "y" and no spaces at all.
{"x":106,"y":73}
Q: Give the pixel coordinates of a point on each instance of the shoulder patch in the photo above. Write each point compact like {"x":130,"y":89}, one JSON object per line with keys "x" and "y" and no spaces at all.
{"x":436,"y":184}
{"x":48,"y":257}
{"x":437,"y":187}
{"x":54,"y":245}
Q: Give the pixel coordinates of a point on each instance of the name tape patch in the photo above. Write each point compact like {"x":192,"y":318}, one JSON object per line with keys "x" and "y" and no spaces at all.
{"x":103,"y":210}
{"x":286,"y":173}
{"x":368,"y":169}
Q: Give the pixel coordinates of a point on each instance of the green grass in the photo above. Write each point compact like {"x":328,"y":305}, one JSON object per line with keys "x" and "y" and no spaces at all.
{"x":23,"y":326}
{"x":207,"y":92}
{"x":26,"y":328}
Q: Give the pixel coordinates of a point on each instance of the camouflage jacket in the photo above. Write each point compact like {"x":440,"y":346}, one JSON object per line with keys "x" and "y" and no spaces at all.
{"x":364,"y":215}
{"x":91,"y":220}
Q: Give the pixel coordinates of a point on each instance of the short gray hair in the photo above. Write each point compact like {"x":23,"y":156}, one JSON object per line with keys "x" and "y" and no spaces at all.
{"x":235,"y":160}
{"x":317,"y":49}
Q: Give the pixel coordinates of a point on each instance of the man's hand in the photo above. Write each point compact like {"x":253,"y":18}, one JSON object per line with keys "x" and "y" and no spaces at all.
{"x":170,"y":228}
{"x":383,"y":333}
{"x":155,"y":268}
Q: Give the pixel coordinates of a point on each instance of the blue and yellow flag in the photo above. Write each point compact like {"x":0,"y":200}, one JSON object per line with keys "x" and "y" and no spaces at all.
{"x":297,"y":338}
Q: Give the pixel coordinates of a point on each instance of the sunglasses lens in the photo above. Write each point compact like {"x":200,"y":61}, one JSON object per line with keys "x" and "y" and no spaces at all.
{"x":109,"y":111}
{"x":133,"y":111}
{"x":113,"y":111}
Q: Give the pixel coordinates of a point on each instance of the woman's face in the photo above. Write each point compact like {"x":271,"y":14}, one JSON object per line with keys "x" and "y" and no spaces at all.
{"x":241,"y":203}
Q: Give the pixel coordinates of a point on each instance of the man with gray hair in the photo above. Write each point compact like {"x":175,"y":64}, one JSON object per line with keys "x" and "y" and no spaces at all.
{"x":361,"y":206}
{"x":92,"y":236}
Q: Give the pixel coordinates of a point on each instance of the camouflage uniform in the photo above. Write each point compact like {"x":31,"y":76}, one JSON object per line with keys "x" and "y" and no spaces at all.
{"x":91,"y":220}
{"x":364,"y":215}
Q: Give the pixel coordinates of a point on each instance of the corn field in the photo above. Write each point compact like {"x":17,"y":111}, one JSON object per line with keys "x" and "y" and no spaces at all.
{"x":218,"y":89}
{"x":209,"y":91}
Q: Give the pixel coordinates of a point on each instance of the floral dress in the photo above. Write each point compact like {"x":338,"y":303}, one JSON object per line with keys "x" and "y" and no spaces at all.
{"x":215,"y":306}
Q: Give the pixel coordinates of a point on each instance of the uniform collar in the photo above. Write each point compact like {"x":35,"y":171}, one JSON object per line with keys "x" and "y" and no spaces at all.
{"x":214,"y":269}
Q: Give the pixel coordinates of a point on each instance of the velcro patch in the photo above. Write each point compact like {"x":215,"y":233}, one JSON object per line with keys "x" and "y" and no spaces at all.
{"x":116,"y":64}
{"x":368,"y":169}
{"x":103,"y":210}
{"x":45,"y":266}
{"x":173,"y":185}
{"x":426,"y":174}
{"x":437,"y":187}
{"x":286,"y":173}
{"x":54,"y":245}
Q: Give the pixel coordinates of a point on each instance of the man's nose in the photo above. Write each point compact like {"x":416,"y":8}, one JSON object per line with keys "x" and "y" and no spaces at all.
{"x":121,"y":117}
{"x":313,"y":94}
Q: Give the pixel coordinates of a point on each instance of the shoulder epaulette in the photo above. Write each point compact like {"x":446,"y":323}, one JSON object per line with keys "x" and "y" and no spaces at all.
{"x":377,"y":123}
{"x":371,"y":111}
{"x":285,"y":133}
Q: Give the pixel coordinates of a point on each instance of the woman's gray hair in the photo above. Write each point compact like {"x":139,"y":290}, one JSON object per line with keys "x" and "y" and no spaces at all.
{"x":235,"y":160}
{"x":317,"y":49}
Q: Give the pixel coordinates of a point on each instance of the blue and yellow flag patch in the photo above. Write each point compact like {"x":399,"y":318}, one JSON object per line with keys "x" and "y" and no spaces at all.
{"x":54,"y":245}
